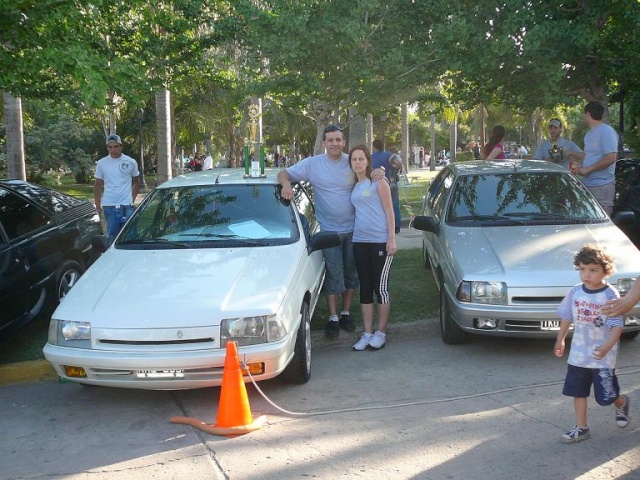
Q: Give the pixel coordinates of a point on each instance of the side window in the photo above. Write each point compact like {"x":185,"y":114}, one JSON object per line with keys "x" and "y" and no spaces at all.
{"x":19,"y":217}
{"x":440,"y":197}
{"x":434,"y":186}
{"x":304,"y":206}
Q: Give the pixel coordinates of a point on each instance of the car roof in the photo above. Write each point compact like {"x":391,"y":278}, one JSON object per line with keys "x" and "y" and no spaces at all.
{"x":504,"y":166}
{"x":222,"y":176}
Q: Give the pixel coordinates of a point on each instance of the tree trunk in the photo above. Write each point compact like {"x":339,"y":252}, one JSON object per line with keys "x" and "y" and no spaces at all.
{"x":405,"y":135}
{"x":15,"y":138}
{"x":163,"y":132}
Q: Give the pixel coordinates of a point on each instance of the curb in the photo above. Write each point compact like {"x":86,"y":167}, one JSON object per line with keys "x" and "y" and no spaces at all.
{"x":41,"y":370}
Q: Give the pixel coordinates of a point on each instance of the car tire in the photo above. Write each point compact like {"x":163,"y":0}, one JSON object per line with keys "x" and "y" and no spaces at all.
{"x":629,"y":335}
{"x":425,"y":257}
{"x":299,"y":370}
{"x":66,"y":277}
{"x":451,"y":333}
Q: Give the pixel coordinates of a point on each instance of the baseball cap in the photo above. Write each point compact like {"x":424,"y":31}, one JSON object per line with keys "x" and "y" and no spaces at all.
{"x":555,"y":122}
{"x":114,"y":138}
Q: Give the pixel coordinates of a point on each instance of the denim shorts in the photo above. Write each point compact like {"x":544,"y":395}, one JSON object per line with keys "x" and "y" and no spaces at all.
{"x":115,"y":217}
{"x":341,"y":270}
{"x":579,"y":380}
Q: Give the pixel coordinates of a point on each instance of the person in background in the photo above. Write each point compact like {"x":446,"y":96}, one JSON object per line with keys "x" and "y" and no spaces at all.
{"x":494,"y":150}
{"x":558,"y":149}
{"x":391,"y":163}
{"x":332,"y":179}
{"x":208,"y":163}
{"x":598,"y":168}
{"x":116,"y":186}
{"x":594,"y":347}
{"x":374,"y":244}
{"x":476,"y":151}
{"x":522,"y":151}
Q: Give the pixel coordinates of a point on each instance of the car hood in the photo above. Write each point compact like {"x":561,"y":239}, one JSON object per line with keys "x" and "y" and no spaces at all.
{"x":535,"y":254}
{"x":196,"y":286}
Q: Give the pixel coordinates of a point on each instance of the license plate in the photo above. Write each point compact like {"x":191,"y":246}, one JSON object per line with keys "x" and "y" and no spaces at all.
{"x":550,"y":325}
{"x":160,"y":374}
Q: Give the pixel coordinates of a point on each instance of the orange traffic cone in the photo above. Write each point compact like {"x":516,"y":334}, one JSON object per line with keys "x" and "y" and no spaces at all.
{"x":234,"y":415}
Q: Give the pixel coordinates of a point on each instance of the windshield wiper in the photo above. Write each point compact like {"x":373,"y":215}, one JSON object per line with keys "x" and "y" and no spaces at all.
{"x":229,"y":236}
{"x":488,"y":218}
{"x":151,"y":241}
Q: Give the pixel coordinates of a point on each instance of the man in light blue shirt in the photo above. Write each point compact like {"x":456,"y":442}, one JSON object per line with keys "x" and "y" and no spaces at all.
{"x":601,"y":153}
{"x":557,"y":149}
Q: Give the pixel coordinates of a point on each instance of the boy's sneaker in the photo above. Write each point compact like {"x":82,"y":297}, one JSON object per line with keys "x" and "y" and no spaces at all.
{"x":332,"y":329}
{"x":576,"y":434}
{"x":363,"y":343}
{"x":346,"y":323}
{"x":622,"y":413}
{"x":378,"y":340}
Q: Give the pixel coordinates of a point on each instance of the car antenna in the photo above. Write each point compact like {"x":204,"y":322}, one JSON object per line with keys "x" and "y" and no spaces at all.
{"x":217,"y":182}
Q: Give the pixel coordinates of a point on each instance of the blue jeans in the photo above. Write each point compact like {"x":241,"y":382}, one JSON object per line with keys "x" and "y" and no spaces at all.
{"x":116,"y":217}
{"x":340,"y":265}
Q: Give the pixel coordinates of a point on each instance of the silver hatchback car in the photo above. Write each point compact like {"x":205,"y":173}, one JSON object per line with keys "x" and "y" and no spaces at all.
{"x":500,"y":238}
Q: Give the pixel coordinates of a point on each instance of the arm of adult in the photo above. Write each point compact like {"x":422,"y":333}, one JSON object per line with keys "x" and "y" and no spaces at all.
{"x":377,"y":174}
{"x":387,"y":204}
{"x":135,"y":189}
{"x":620,"y":306}
{"x":285,"y":180}
{"x":494,"y":153}
{"x":578,"y":154}
{"x":98,"y":188}
{"x":604,"y":162}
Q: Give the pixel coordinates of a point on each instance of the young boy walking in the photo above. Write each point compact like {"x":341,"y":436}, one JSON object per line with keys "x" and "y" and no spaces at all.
{"x":594,"y":348}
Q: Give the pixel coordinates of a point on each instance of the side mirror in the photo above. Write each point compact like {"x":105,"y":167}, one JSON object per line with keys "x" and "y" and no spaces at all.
{"x":426,"y":224}
{"x":623,"y":217}
{"x":322,"y":240}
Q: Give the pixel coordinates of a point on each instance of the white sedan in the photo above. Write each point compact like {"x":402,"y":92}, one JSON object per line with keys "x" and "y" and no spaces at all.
{"x":207,"y":258}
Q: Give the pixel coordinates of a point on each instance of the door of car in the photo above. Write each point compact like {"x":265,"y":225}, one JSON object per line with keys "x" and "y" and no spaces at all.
{"x":21,"y":222}
{"x":434,"y":206}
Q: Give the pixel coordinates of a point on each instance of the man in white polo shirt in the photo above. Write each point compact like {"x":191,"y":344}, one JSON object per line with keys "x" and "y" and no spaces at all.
{"x":116,"y":186}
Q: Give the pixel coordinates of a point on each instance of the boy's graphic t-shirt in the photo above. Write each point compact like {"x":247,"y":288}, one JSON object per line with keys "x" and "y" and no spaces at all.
{"x":582,"y":307}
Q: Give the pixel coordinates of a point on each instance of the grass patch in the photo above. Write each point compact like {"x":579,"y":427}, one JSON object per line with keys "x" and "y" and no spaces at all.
{"x":414,"y":296}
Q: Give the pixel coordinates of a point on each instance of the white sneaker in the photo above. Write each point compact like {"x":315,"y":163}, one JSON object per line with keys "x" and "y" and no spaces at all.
{"x":363,"y":343}
{"x":378,"y":340}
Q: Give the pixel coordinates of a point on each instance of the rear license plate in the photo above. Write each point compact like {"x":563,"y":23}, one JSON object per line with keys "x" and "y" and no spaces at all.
{"x":550,"y":325}
{"x":160,"y":374}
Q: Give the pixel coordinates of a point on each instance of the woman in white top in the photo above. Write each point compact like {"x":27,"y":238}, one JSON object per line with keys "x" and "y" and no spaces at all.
{"x":374,"y":244}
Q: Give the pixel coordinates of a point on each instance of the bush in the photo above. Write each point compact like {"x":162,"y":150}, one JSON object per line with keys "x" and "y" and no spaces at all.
{"x":464,"y":156}
{"x":84,"y":176}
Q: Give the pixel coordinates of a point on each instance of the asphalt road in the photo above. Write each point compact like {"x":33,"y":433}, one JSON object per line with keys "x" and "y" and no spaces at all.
{"x":418,"y":409}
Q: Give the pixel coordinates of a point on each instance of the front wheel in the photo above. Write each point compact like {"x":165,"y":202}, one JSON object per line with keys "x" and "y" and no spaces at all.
{"x":451,"y":333}
{"x":299,"y":370}
{"x":66,"y":277}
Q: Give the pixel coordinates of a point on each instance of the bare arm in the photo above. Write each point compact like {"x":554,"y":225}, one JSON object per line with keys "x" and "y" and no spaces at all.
{"x":620,"y":306}
{"x":604,"y":162}
{"x":285,"y":180}
{"x":558,"y":348}
{"x":98,"y":188}
{"x":135,"y":189}
{"x":385,"y":195}
{"x":494,"y":153}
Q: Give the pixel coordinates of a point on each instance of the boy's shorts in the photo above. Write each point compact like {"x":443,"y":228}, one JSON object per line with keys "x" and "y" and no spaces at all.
{"x":579,"y":380}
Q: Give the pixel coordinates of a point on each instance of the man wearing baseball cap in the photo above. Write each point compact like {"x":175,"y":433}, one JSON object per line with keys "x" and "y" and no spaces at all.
{"x":557,"y":149}
{"x":116,"y":186}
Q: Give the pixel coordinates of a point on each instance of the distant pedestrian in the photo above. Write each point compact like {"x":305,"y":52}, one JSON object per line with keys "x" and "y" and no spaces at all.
{"x":476,"y":151}
{"x":494,"y":150}
{"x":116,"y":186}
{"x":558,"y":149}
{"x":594,"y":347}
{"x":374,"y":244}
{"x":598,"y":168}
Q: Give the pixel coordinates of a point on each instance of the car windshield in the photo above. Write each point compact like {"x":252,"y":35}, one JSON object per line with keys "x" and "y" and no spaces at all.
{"x":517,"y":198}
{"x":211,"y":216}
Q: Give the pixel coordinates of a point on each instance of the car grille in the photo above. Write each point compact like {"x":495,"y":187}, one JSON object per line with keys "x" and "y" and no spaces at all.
{"x":536,"y":300}
{"x":156,"y":342}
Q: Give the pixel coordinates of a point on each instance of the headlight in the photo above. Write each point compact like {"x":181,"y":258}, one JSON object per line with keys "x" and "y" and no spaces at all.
{"x":251,"y":330}
{"x":489,"y":293}
{"x":70,"y":334}
{"x":624,"y":285}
